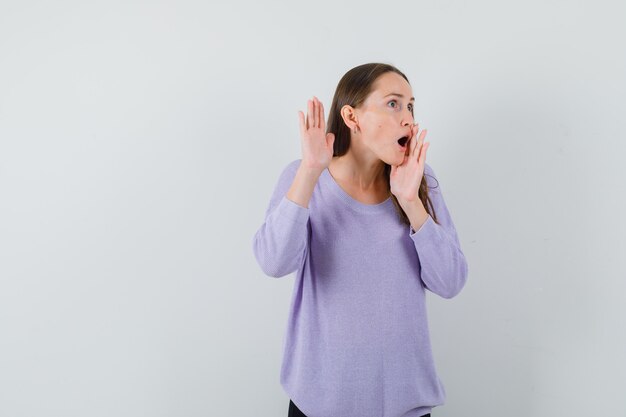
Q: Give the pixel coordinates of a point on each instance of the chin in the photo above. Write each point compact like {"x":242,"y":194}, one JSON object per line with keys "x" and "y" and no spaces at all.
{"x":396,"y":160}
{"x":385,"y":159}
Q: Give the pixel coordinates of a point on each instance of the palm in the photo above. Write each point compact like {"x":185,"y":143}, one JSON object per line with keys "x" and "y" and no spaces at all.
{"x":317,"y":145}
{"x":405,"y":179}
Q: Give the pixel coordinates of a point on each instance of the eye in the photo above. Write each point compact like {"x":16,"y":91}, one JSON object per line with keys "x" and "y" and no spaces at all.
{"x":393,"y":102}
{"x":410,"y":107}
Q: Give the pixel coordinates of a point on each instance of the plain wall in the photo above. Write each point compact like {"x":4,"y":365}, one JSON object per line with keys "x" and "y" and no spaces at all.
{"x":140,"y":143}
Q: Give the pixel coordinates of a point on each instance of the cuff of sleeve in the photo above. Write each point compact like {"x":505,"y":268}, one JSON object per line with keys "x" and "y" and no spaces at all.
{"x":291,"y":210}
{"x":426,"y":234}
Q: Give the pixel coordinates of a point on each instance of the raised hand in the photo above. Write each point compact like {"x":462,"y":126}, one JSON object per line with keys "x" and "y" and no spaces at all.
{"x":405,"y":179}
{"x":317,"y":146}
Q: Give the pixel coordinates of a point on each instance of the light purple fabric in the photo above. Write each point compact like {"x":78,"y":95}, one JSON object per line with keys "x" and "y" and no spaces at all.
{"x":357,"y":341}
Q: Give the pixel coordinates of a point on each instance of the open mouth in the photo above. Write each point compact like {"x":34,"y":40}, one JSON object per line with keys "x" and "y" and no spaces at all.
{"x":403,"y":141}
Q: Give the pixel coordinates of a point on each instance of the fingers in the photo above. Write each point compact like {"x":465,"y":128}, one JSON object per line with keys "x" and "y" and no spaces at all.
{"x":417,"y":147}
{"x":414,"y":130}
{"x":309,"y":114}
{"x":422,"y":136}
{"x":330,"y":141}
{"x":414,"y":142}
{"x":302,"y":123}
{"x":316,"y":112}
{"x":420,"y":145}
{"x":422,"y":156}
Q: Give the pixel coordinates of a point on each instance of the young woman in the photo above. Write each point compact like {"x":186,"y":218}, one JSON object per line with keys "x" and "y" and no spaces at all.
{"x":361,"y":220}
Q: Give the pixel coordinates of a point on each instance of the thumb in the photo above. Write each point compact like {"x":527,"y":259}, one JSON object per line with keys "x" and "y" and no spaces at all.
{"x":330,"y":139}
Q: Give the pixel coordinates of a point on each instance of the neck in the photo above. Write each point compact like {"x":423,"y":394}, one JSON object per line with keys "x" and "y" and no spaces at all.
{"x":364,"y":174}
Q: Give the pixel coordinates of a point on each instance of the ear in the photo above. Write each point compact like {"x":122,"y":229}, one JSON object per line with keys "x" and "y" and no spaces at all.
{"x":348,"y":114}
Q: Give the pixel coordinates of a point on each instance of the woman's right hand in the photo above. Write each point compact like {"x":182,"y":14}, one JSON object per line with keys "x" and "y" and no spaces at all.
{"x":317,"y":146}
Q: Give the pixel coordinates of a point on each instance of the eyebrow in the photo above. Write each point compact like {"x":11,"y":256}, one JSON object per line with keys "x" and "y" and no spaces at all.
{"x":399,"y":95}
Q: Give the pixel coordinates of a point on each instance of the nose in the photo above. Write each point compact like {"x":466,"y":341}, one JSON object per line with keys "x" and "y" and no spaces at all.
{"x":407,"y":117}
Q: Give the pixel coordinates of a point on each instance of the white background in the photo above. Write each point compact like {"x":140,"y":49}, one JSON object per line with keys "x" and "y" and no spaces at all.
{"x":140,"y":143}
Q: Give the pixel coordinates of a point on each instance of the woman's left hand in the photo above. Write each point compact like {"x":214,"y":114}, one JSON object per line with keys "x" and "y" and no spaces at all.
{"x":405,"y":179}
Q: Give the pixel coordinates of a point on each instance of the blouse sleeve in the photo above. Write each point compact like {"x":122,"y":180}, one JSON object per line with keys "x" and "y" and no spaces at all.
{"x":281,"y":243}
{"x":443,"y":265}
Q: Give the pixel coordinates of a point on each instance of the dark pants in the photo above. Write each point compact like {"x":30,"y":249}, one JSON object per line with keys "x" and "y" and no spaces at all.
{"x":295,"y":411}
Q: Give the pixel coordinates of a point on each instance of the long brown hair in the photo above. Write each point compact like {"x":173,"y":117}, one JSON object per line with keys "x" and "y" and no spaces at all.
{"x":353,"y":89}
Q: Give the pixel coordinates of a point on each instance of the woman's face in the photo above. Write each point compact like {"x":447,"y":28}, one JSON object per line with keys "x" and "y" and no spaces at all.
{"x":385,"y":117}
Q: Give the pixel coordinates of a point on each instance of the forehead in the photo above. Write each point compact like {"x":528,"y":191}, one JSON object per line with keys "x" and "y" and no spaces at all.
{"x":390,"y":82}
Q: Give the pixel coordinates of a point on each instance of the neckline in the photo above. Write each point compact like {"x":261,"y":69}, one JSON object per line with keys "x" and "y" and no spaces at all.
{"x":339,"y":192}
